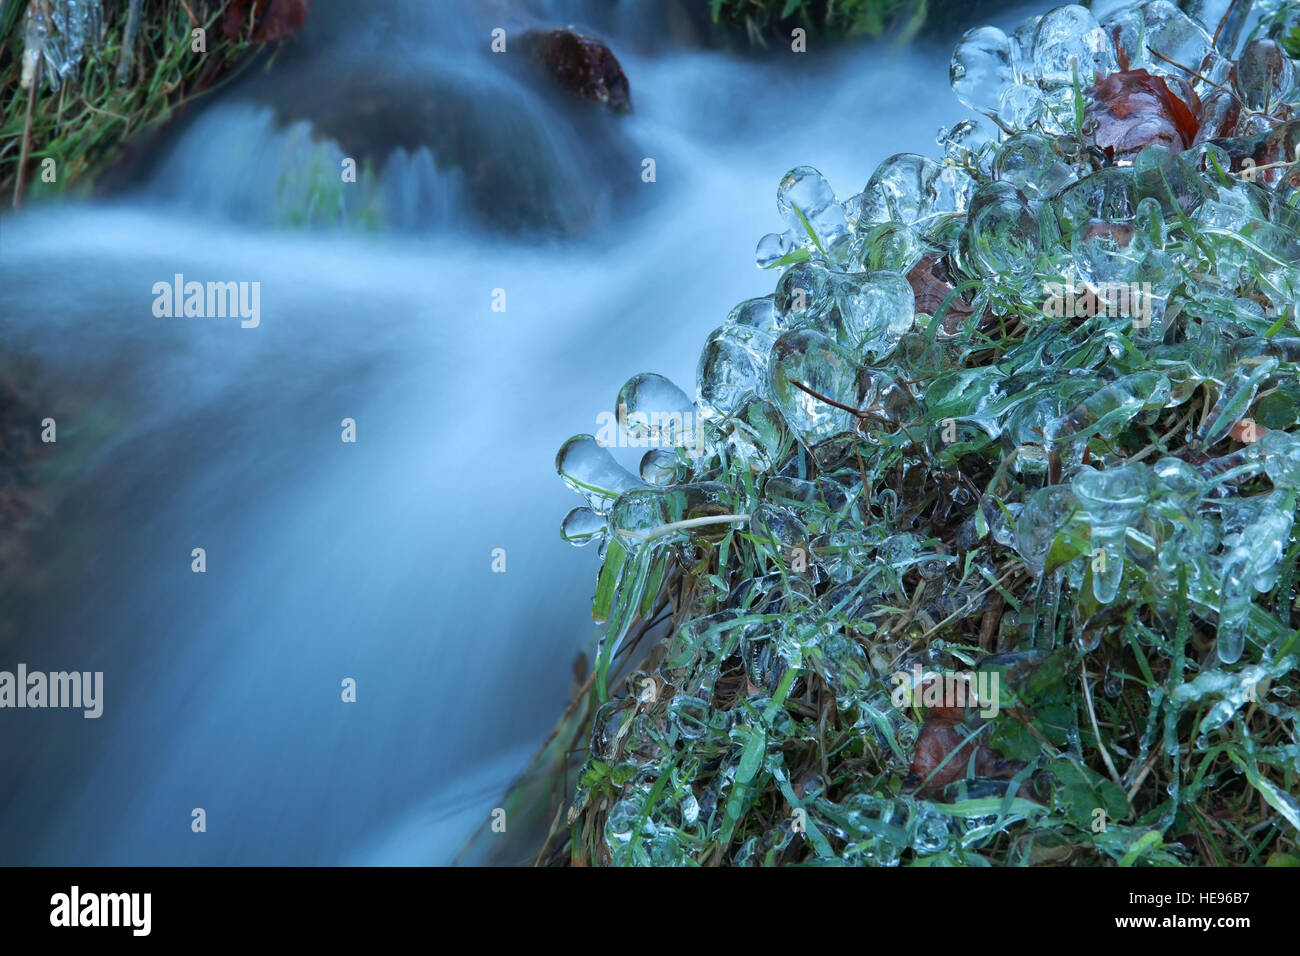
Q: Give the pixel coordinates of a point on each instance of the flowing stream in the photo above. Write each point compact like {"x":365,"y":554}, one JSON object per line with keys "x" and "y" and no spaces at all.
{"x":373,"y":560}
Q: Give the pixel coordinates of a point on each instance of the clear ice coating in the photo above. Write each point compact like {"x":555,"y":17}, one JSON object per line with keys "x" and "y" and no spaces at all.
{"x":1002,"y":232}
{"x":60,"y":32}
{"x":1030,"y":162}
{"x":1238,"y":393}
{"x":982,"y":69}
{"x":733,"y":365}
{"x":1044,"y":515}
{"x":641,"y":511}
{"x":1250,"y":566}
{"x":1113,"y":501}
{"x":814,"y":361}
{"x":875,"y":310}
{"x":757,"y":434}
{"x":1282,"y":460}
{"x":589,"y":469}
{"x":809,"y":207}
{"x":1266,"y":76}
{"x":908,"y":188}
{"x":655,"y":411}
{"x":1070,"y":46}
{"x":919,"y":414}
{"x":1159,"y":27}
{"x":775,"y":248}
{"x":1108,"y":410}
{"x":659,"y":466}
{"x":1234,"y":690}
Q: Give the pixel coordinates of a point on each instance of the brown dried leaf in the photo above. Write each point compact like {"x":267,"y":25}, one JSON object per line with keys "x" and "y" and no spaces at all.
{"x":1132,"y":109}
{"x":941,"y":757}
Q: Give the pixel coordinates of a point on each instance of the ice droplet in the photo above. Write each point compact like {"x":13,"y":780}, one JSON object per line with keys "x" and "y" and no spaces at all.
{"x":657,"y":411}
{"x":589,"y":469}
{"x":807,"y":204}
{"x":659,"y":467}
{"x":981,"y":69}
{"x":583,"y":526}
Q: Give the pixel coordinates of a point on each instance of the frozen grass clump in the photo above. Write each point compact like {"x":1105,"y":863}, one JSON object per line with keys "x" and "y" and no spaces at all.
{"x":984,"y":550}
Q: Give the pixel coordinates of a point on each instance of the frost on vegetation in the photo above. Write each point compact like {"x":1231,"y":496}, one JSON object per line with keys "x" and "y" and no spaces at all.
{"x":1031,"y":407}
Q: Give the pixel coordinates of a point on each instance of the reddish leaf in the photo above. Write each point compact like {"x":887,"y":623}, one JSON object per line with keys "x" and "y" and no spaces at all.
{"x":941,"y":757}
{"x":950,"y":701}
{"x":1132,"y":109}
{"x":953,"y":743}
{"x":1247,"y":431}
{"x":1220,"y":111}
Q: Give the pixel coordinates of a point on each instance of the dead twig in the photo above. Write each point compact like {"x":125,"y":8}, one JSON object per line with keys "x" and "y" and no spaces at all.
{"x":23,"y":154}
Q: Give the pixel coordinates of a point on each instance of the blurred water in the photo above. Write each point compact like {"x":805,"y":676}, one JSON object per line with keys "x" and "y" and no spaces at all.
{"x":329,"y":560}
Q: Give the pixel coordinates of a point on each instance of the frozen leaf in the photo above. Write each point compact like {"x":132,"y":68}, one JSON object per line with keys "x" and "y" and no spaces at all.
{"x":1131,"y":110}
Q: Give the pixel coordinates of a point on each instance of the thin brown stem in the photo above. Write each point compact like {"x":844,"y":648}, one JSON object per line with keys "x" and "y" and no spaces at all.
{"x":23,"y":154}
{"x":1223,"y":22}
{"x":827,"y":399}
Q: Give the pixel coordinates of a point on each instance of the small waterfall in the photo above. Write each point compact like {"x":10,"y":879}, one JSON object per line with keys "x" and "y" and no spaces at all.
{"x":372,"y":560}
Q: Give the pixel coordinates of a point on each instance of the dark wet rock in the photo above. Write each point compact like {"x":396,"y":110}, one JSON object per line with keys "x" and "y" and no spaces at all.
{"x":21,"y":500}
{"x":581,"y":64}
{"x":274,"y":19}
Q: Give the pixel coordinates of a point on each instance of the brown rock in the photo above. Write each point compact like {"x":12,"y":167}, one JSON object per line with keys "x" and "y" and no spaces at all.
{"x":1132,"y":109}
{"x":274,"y":19}
{"x":583,"y":65}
